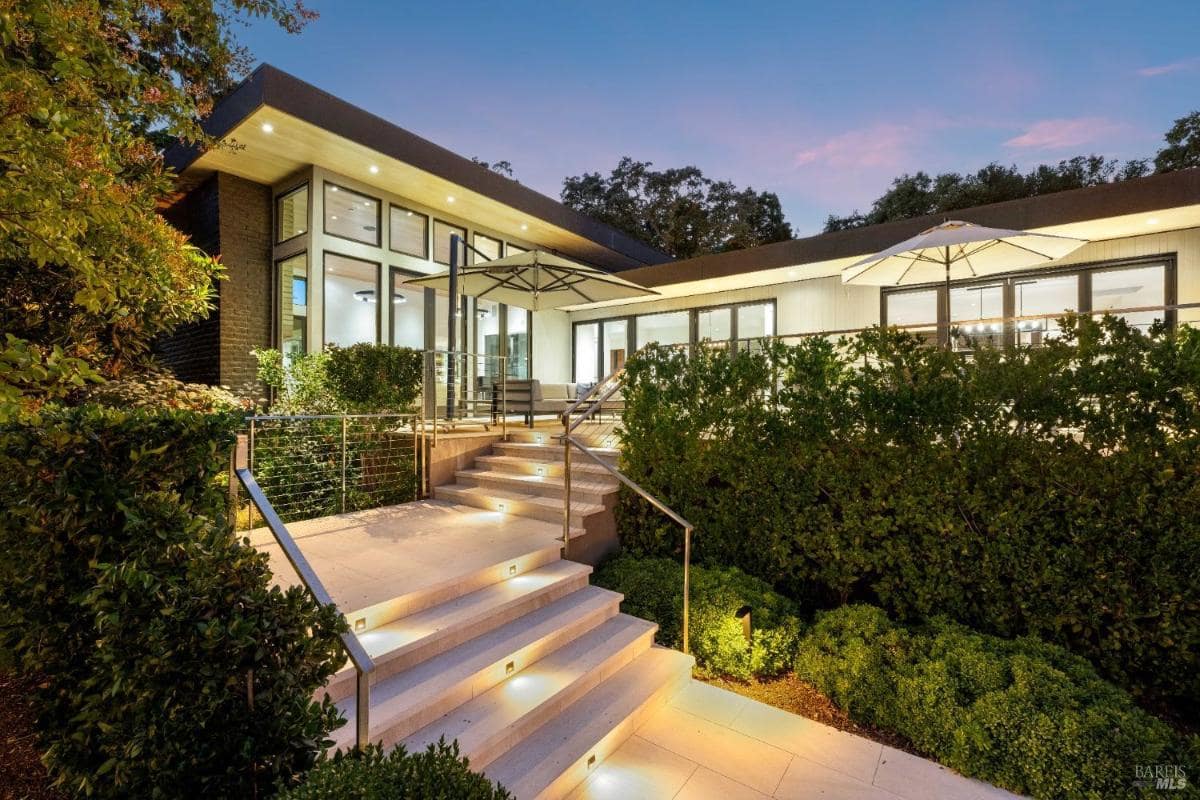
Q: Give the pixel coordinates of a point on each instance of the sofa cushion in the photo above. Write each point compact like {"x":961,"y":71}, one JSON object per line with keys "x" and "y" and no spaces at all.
{"x":554,"y":391}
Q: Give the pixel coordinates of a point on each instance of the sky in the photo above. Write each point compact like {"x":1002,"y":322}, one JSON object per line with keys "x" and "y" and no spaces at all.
{"x":821,"y":103}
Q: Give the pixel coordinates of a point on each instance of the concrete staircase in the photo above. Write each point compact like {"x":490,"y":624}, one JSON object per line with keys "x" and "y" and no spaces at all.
{"x":534,"y":672}
{"x":525,"y":476}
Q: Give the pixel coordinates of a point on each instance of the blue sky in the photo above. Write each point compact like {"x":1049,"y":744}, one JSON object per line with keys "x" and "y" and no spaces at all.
{"x":822,"y":103}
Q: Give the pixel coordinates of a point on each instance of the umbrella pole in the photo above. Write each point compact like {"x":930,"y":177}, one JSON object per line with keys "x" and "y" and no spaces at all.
{"x":451,"y":329}
{"x":948,"y":343}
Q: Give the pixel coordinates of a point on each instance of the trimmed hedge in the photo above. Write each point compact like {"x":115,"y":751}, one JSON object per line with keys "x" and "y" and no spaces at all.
{"x":375,"y":377}
{"x":171,"y":666}
{"x":1052,"y":491}
{"x":438,"y":773}
{"x":653,"y":589}
{"x":1020,"y":713}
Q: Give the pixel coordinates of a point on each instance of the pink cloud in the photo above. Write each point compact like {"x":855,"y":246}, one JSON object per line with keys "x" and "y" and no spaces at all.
{"x":1054,"y":134}
{"x":1167,"y":69}
{"x":880,"y":145}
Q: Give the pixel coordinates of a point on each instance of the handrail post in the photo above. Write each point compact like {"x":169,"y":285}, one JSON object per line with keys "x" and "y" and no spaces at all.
{"x":249,"y":464}
{"x":566,"y":490}
{"x":344,"y":420}
{"x":687,"y":584}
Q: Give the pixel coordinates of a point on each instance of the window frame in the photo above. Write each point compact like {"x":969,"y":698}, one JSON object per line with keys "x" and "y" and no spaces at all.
{"x":303,"y":186}
{"x":379,"y":271}
{"x":433,"y":238}
{"x":392,"y":272}
{"x":476,"y":236}
{"x":330,"y":185}
{"x":424,"y":256}
{"x":277,"y":294}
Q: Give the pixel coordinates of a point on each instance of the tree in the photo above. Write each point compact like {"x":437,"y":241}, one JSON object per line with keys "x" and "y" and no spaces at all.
{"x":504,"y":168}
{"x":1183,"y":145}
{"x":678,"y":211}
{"x":89,"y":91}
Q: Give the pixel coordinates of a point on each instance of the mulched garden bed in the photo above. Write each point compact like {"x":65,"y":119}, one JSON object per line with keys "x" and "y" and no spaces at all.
{"x":792,"y":694}
{"x":22,"y":776}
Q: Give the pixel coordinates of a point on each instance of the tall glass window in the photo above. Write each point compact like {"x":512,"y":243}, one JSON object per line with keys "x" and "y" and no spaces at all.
{"x":715,"y":324}
{"x":976,"y":314}
{"x":351,"y":215}
{"x":408,"y":232}
{"x":489,"y":247}
{"x":351,"y":302}
{"x":293,"y":304}
{"x":917,"y":308}
{"x":670,"y":328}
{"x":513,"y":249}
{"x":616,"y":343}
{"x":408,"y":313}
{"x":442,"y":231}
{"x":291,"y":214}
{"x":441,"y":326}
{"x":1047,"y":298}
{"x":587,"y":345}
{"x":518,"y":342}
{"x":487,"y":337}
{"x":1133,"y":287}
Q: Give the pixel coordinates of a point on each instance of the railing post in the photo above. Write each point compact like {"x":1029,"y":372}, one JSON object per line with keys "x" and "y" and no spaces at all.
{"x":566,"y":489}
{"x":249,"y":464}
{"x":687,"y":584}
{"x":344,"y":419}
{"x":362,"y":712}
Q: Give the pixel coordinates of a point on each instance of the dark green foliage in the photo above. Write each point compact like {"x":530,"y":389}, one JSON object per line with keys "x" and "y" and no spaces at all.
{"x":172,"y":668}
{"x":653,"y":589}
{"x":1053,"y":492}
{"x":1182,"y":150}
{"x":438,"y":773}
{"x":370,"y":378}
{"x":1020,"y":713}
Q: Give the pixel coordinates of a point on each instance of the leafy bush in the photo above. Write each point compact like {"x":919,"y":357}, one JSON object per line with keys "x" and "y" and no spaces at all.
{"x":438,"y":773}
{"x":157,"y":388}
{"x":376,"y":377}
{"x":653,"y":589}
{"x":172,"y":667}
{"x":1020,"y":713}
{"x":300,"y":385}
{"x":1052,"y":491}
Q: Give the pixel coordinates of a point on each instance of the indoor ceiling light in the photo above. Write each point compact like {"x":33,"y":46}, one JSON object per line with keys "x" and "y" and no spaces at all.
{"x":267,"y":127}
{"x":374,"y":170}
{"x":524,"y":227}
{"x":334,"y":216}
{"x":449,"y":198}
{"x":333,"y":188}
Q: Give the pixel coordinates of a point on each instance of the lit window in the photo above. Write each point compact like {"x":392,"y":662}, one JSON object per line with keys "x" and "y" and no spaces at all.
{"x":442,"y":231}
{"x":291,"y":214}
{"x":293,"y":301}
{"x":408,"y":232}
{"x":351,"y":215}
{"x":488,"y":249}
{"x":351,"y":302}
{"x":586,"y":348}
{"x":670,"y":328}
{"x":1131,"y":288}
{"x":408,"y":314}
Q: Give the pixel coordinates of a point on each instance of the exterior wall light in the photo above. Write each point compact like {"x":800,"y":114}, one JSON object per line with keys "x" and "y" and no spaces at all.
{"x":360,"y":624}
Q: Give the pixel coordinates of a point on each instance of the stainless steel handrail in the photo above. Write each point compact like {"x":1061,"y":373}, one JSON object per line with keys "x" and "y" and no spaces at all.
{"x":568,"y":440}
{"x":613,"y":376}
{"x":364,"y":666}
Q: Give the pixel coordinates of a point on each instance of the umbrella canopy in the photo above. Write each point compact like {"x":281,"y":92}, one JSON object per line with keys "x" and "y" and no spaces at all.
{"x":957,"y":250}
{"x":536,"y":280}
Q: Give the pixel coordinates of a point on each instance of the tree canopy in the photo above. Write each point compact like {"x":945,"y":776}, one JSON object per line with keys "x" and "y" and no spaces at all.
{"x":678,"y":211}
{"x":919,"y":194}
{"x":88,"y":93}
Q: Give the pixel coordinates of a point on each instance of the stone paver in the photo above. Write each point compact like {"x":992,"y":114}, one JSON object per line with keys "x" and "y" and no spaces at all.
{"x":711,"y":744}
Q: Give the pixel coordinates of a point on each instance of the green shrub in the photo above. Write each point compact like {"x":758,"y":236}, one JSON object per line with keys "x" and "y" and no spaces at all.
{"x":1053,"y":492}
{"x":172,"y":667}
{"x":298,"y":386}
{"x":1019,"y":713}
{"x":653,"y":589}
{"x":438,"y":773}
{"x":375,"y":377}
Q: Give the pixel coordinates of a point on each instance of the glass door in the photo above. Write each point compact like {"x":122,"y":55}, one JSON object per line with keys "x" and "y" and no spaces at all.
{"x":616,"y":345}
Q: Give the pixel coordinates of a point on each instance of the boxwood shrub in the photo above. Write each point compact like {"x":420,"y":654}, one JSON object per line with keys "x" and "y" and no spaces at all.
{"x":1021,"y":714}
{"x":437,"y":773}
{"x":171,"y":666}
{"x":653,"y":589}
{"x":1051,"y":491}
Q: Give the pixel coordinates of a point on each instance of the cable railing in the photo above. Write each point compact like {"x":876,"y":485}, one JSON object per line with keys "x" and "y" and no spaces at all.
{"x":480,"y":394}
{"x":364,"y":666}
{"x":585,"y":408}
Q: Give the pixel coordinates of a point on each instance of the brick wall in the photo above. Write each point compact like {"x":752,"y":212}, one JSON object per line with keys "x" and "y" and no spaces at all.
{"x":245,"y":318}
{"x":193,"y":350}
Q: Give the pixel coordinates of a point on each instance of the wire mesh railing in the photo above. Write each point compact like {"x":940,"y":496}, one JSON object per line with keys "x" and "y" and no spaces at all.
{"x":317,"y":465}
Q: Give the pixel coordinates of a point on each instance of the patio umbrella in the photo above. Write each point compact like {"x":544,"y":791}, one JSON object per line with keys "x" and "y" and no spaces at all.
{"x":535,"y":280}
{"x":957,"y":250}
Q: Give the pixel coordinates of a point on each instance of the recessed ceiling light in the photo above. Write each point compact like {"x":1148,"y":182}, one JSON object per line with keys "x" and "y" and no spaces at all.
{"x":524,"y":227}
{"x":410,"y":213}
{"x":1152,"y":221}
{"x":373,"y":169}
{"x":449,"y":198}
{"x":334,"y":216}
{"x":267,"y":127}
{"x":333,"y":188}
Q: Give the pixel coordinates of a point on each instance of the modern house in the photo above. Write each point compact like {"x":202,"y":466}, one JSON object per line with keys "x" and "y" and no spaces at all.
{"x":320,"y":210}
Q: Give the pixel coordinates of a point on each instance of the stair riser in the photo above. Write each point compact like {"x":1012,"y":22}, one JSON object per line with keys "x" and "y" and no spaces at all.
{"x":577,"y":773}
{"x":547,"y":453}
{"x":404,"y":605}
{"x":517,"y":507}
{"x":396,"y":661}
{"x":550,"y":469}
{"x":435,"y":707}
{"x":547,"y":436}
{"x":578,"y":493}
{"x":485,"y":752}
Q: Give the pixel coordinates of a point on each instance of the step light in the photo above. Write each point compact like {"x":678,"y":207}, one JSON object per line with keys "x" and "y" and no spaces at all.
{"x":510,"y":667}
{"x":540,"y":439}
{"x":512,"y":569}
{"x":541,"y":471}
{"x":502,"y":507}
{"x":591,"y":761}
{"x":360,"y":624}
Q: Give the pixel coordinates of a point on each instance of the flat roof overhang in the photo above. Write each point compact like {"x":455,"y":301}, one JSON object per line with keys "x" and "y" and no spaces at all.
{"x":1137,"y":207}
{"x":311,"y":126}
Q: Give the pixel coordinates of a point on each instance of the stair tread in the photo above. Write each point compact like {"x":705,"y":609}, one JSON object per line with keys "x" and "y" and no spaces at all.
{"x":507,"y":494}
{"x":577,"y":465}
{"x":401,"y":635}
{"x":541,"y":688}
{"x":535,"y":763}
{"x":590,"y":484}
{"x":551,"y":448}
{"x":400,"y":696}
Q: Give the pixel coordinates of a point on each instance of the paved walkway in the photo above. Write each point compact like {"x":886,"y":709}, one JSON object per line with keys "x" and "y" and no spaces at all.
{"x":712,"y":744}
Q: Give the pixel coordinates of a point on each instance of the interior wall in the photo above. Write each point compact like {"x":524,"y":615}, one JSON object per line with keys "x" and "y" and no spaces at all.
{"x":551,"y":347}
